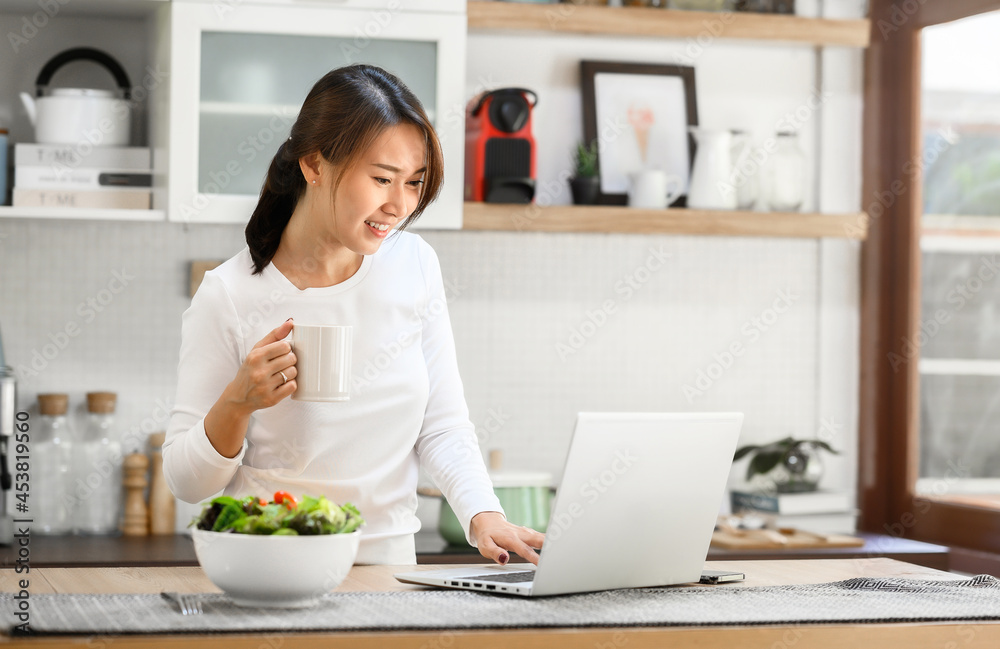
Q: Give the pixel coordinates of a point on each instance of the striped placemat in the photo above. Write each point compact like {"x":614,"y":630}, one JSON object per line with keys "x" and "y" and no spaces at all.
{"x":861,"y":600}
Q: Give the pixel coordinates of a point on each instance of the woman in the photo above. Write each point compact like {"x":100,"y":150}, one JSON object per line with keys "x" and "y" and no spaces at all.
{"x":362,"y":159}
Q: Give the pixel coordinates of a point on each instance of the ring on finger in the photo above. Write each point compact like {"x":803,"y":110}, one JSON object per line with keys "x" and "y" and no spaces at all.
{"x":284,"y":379}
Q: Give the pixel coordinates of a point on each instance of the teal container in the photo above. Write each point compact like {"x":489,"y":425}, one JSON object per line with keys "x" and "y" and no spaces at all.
{"x":526,"y":499}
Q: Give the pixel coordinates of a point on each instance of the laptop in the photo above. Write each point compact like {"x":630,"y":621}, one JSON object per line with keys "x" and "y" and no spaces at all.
{"x":636,"y":507}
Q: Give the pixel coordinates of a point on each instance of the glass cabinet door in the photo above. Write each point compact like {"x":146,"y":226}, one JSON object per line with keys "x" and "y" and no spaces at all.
{"x":252,"y":86}
{"x":247,"y":73}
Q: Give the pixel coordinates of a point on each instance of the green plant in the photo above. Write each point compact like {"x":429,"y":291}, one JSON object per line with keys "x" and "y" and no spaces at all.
{"x":585,"y":160}
{"x":787,"y":452}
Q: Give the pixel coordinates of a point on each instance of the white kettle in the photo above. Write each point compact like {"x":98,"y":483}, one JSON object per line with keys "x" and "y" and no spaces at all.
{"x":73,"y":115}
{"x":713,"y":175}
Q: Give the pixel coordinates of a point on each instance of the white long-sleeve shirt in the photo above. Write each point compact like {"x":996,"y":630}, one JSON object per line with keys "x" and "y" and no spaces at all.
{"x":406,"y":407}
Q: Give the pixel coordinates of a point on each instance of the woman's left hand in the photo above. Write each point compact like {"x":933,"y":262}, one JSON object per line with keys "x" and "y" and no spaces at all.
{"x":497,"y":538}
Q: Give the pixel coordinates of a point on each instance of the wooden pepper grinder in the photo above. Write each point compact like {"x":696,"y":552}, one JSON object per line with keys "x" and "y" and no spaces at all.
{"x":161,"y":501}
{"x":136,"y":521}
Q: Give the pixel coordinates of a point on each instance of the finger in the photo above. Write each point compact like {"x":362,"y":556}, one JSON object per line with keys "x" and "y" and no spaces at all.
{"x":533,"y":538}
{"x":491,"y":550}
{"x":272,"y":352}
{"x":524,"y":551}
{"x":290,"y":371}
{"x":282,"y":362}
{"x":284,"y":389}
{"x":276,"y":334}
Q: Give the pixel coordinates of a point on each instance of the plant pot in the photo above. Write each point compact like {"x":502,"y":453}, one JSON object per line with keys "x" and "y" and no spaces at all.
{"x":799,"y":471}
{"x":585,"y":189}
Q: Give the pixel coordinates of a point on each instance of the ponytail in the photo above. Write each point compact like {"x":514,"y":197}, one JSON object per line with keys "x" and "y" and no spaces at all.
{"x":278,"y":197}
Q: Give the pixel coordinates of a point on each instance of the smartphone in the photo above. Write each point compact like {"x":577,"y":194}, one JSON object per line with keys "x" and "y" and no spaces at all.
{"x":720,"y":576}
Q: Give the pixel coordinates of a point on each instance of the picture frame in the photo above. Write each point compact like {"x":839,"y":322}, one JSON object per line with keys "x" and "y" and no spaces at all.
{"x":639,"y":114}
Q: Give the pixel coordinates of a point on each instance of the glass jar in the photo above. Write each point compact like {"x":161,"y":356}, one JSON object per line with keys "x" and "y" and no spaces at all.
{"x":787,"y":173}
{"x":52,"y":467}
{"x":98,"y":483}
{"x":745,"y":170}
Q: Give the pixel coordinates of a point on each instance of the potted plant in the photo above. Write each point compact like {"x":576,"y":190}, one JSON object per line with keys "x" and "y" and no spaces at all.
{"x":793,"y":465}
{"x":585,"y":184}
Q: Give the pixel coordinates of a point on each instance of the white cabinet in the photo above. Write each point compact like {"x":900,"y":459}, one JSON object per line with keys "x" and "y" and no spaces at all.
{"x":240,"y":70}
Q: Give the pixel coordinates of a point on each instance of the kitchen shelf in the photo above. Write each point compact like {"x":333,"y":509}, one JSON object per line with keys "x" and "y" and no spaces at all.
{"x":81,"y":213}
{"x":114,"y":8}
{"x":639,"y":21}
{"x":567,"y":218}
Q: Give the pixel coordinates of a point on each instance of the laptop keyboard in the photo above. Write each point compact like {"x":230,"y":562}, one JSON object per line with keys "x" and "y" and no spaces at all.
{"x":505,"y":577}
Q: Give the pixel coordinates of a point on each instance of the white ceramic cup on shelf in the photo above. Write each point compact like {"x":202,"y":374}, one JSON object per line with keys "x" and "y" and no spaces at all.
{"x":653,"y":189}
{"x":323,"y":362}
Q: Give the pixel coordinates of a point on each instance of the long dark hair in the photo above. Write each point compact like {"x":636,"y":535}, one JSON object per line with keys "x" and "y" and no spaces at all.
{"x":342,"y":117}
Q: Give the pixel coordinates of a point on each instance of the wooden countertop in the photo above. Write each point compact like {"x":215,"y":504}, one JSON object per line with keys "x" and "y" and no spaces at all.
{"x":379,"y":578}
{"x":177,"y":550}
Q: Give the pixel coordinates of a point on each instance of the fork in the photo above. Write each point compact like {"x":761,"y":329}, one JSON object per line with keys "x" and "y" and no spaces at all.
{"x":188,"y":603}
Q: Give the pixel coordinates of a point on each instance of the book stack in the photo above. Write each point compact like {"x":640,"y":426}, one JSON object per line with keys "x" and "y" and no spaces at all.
{"x":825,"y":511}
{"x":67,"y":175}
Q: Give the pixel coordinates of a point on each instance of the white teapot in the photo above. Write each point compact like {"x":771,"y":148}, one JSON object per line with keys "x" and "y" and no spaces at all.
{"x":72,"y":115}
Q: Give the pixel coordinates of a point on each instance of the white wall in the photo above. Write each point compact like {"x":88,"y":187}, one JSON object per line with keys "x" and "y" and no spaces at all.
{"x":519,"y":294}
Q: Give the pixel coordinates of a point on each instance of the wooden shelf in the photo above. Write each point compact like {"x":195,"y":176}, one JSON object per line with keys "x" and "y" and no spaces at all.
{"x":82,"y":213}
{"x":638,"y":21}
{"x":567,"y":218}
{"x":112,"y":8}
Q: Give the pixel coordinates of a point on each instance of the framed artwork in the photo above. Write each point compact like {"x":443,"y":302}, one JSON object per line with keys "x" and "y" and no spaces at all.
{"x":639,"y":113}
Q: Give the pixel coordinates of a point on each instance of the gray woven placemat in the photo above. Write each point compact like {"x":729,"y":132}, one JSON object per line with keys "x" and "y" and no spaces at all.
{"x":862,"y":600}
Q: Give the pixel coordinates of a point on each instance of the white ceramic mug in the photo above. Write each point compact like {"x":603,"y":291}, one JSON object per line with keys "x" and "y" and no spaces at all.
{"x":323,"y":362}
{"x":653,"y":189}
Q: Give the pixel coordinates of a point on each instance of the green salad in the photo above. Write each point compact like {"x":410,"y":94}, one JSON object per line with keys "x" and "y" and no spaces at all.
{"x":283,"y":516}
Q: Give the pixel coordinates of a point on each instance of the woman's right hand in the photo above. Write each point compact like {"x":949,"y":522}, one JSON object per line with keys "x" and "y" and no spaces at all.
{"x":259,"y":382}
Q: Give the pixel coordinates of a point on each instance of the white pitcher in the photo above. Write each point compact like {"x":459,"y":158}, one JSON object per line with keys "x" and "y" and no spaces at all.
{"x":716,"y":162}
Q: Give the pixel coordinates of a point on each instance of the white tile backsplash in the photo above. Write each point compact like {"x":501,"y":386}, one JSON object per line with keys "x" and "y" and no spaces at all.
{"x":525,"y":311}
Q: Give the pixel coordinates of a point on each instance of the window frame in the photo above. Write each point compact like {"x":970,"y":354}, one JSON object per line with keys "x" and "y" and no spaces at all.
{"x":890,"y":290}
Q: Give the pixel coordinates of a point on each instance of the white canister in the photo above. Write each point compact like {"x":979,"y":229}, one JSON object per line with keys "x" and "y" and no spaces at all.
{"x":3,"y":166}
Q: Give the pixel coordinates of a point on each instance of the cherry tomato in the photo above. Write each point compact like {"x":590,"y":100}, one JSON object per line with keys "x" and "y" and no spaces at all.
{"x":262,"y":501}
{"x":284,"y":497}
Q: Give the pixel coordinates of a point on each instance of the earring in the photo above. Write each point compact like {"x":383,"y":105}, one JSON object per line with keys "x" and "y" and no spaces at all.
{"x":314,"y":182}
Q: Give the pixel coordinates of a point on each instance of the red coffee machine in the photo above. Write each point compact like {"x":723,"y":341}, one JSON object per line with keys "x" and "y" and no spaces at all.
{"x":499,"y":147}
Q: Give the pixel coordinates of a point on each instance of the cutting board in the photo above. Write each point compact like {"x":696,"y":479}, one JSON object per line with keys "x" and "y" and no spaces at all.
{"x":768,"y":540}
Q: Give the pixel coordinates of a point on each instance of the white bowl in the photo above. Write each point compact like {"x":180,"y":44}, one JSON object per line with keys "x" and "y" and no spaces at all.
{"x":275,"y":571}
